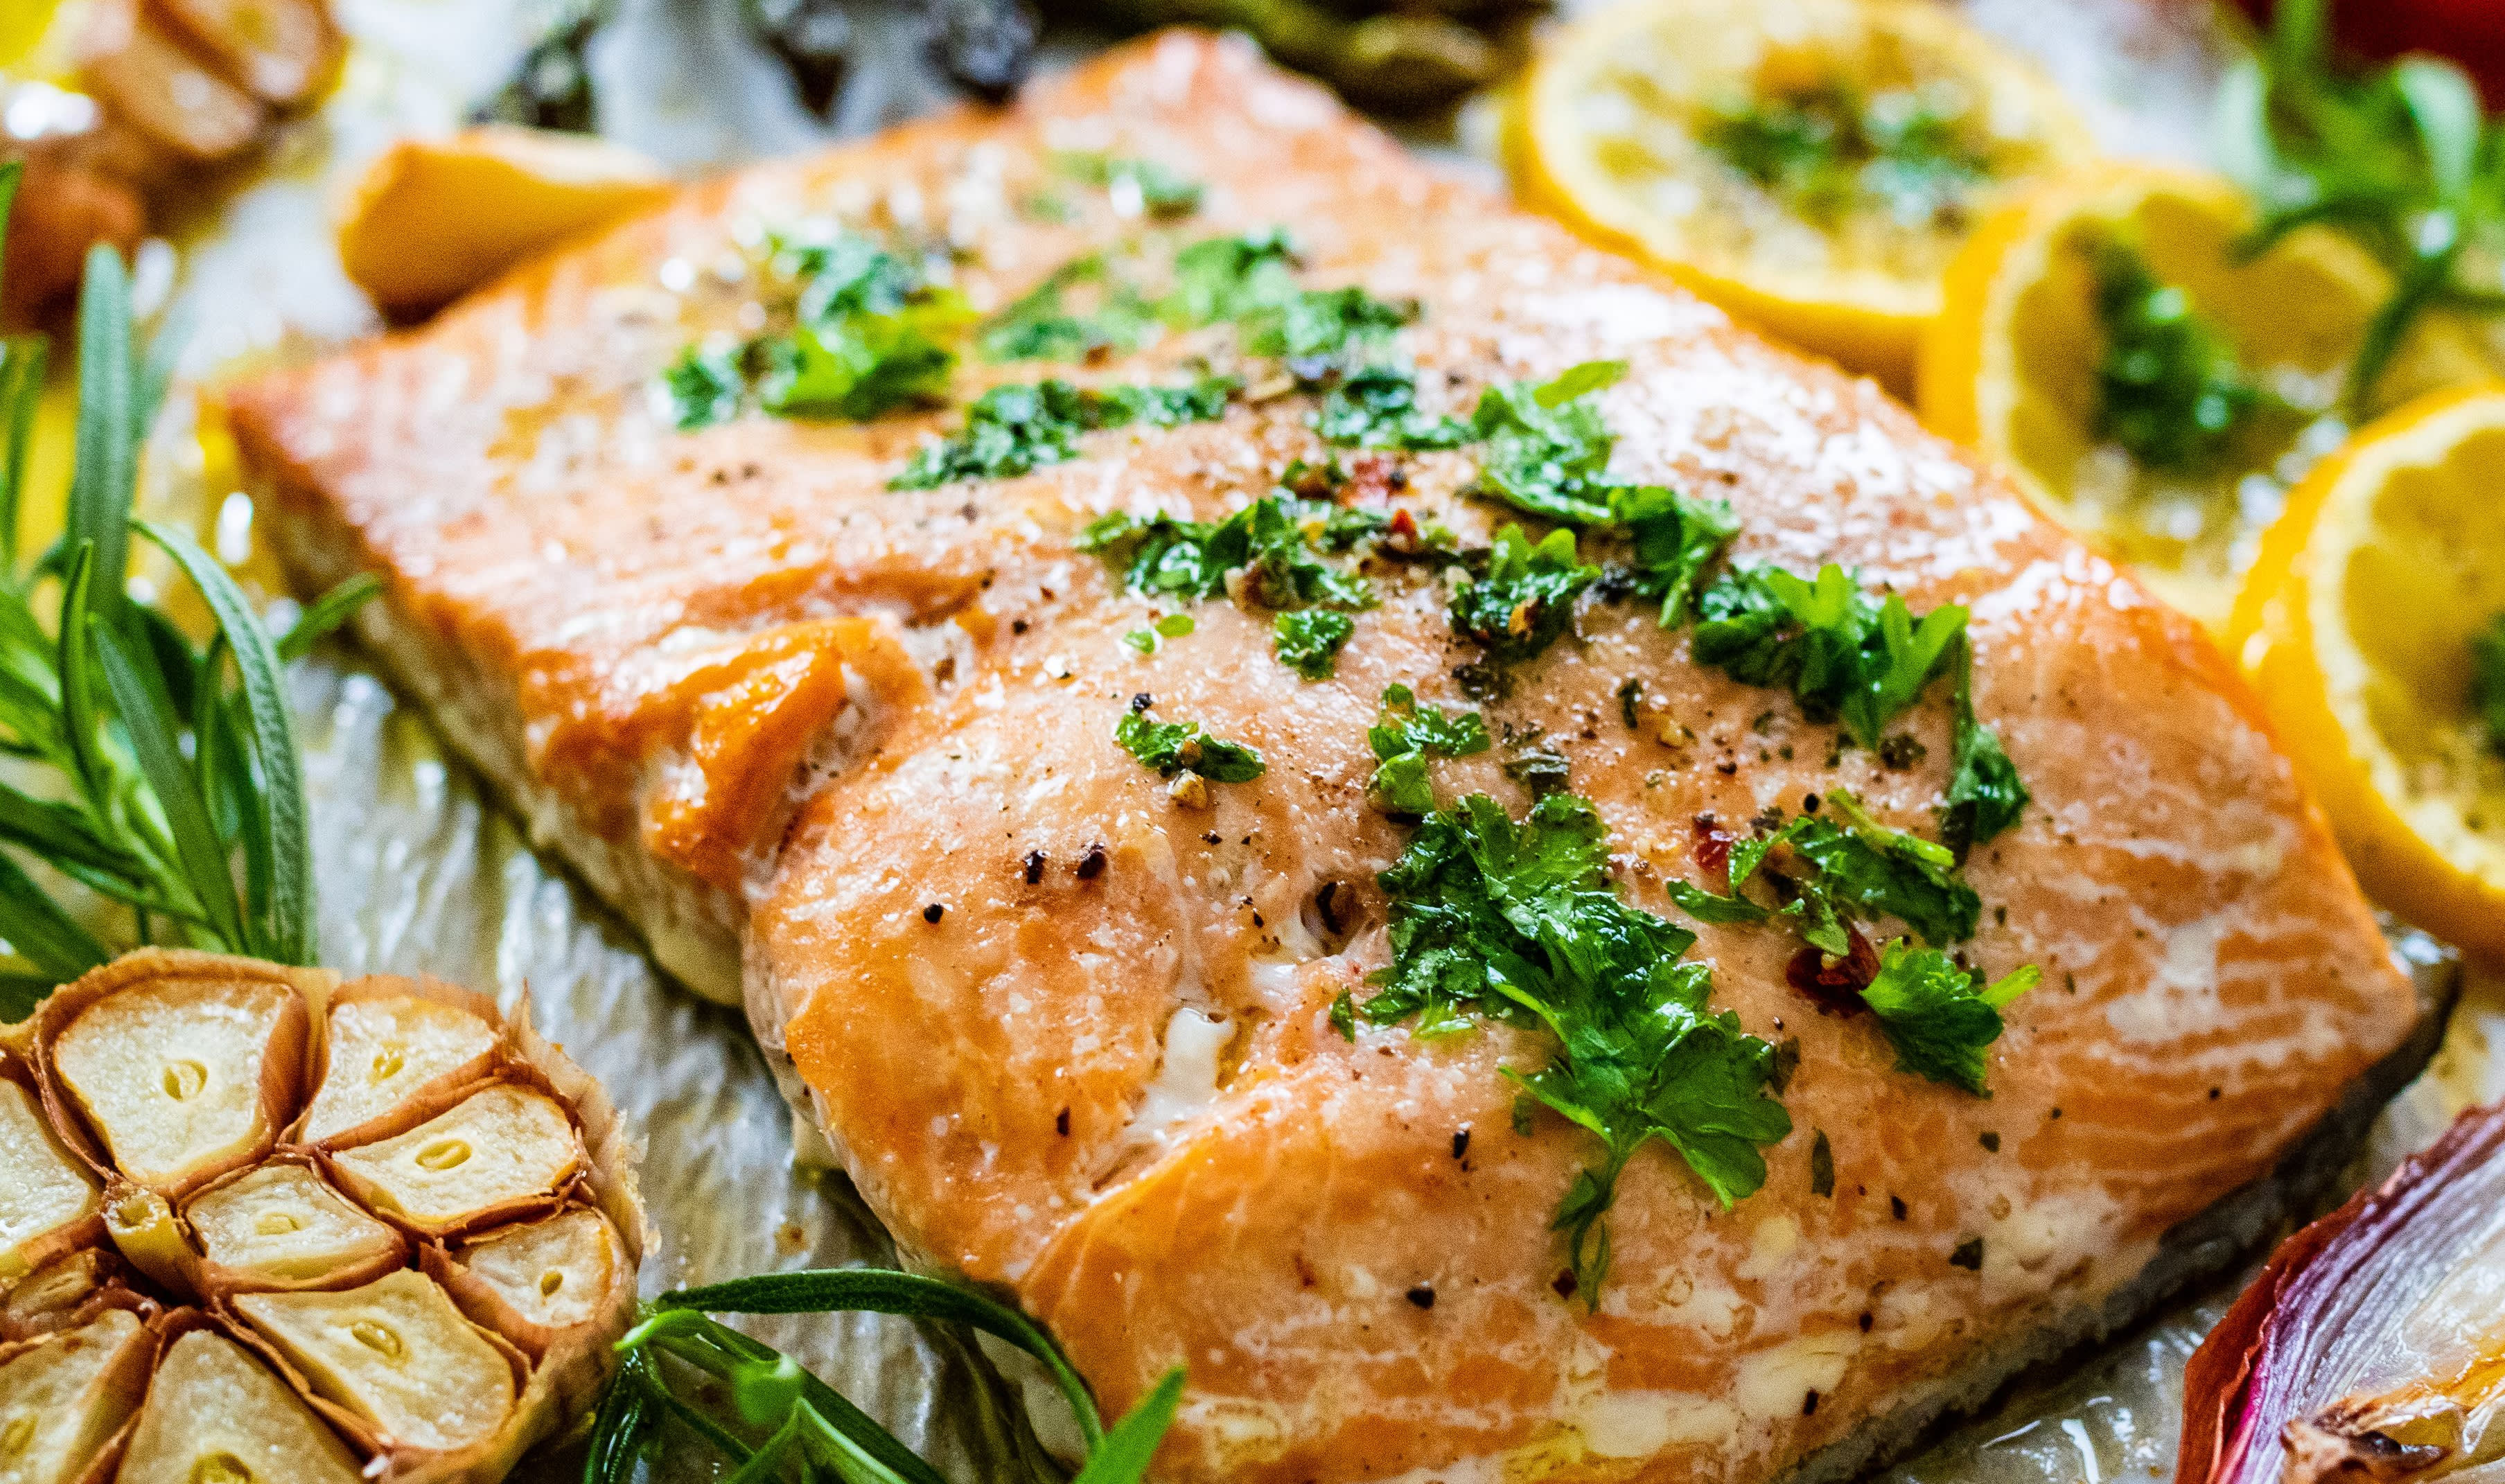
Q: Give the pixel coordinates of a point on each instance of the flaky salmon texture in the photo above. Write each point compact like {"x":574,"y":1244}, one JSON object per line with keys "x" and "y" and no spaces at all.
{"x":1069,"y":1028}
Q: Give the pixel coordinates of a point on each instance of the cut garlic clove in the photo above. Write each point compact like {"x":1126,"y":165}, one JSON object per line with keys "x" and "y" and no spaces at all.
{"x":217,"y":1416}
{"x":501,"y":1150}
{"x":396,"y":1354}
{"x":385,"y":1052}
{"x":142,"y":1224}
{"x":44,"y":1193}
{"x":55,"y":1296}
{"x":172,"y":1073}
{"x":280,"y":1225}
{"x":64,"y":1397}
{"x":147,"y":80}
{"x":549,"y":1276}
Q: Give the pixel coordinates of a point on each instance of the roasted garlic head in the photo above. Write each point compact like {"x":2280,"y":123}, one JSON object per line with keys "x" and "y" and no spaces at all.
{"x":261,"y":1227}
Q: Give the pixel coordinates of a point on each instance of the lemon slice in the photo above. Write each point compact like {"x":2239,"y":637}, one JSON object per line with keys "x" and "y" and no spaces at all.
{"x":2010,"y":367}
{"x":2357,"y":624}
{"x":1810,"y":166}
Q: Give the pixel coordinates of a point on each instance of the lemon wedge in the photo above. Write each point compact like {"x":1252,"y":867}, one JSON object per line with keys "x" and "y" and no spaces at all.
{"x":2011,"y":366}
{"x":1810,"y":167}
{"x":2359,"y":625}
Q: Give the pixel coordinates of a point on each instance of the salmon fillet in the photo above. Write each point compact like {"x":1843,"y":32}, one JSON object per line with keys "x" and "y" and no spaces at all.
{"x":845,"y":751}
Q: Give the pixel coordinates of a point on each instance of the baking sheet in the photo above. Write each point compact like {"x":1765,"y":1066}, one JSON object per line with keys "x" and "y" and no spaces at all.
{"x":419,"y":871}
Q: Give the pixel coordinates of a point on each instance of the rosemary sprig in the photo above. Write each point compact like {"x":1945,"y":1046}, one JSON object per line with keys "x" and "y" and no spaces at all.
{"x":2400,"y":158}
{"x":158,"y":774}
{"x":814,"y":1429}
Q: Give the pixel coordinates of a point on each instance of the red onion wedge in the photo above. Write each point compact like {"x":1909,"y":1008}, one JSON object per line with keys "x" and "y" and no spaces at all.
{"x":2372,"y":1347}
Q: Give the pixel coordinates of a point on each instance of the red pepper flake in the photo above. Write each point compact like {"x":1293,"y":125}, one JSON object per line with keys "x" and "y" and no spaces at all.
{"x":1370,"y":481}
{"x":1836,"y":984}
{"x":1713,"y":848}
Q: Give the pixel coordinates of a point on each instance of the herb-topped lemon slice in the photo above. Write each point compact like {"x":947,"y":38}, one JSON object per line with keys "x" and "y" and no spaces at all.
{"x":2373,"y":623}
{"x":2108,"y":339}
{"x":1810,"y":166}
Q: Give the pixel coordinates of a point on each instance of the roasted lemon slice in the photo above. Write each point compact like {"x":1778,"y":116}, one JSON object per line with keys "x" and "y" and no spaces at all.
{"x":1809,"y":166}
{"x":2104,"y":340}
{"x":2364,"y":622}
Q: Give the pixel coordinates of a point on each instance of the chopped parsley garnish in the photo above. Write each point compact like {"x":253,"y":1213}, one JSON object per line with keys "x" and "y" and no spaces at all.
{"x":1175,"y":746}
{"x":2487,"y":680}
{"x":1041,"y":326}
{"x":1938,"y":1015}
{"x":2170,"y":389}
{"x":1984,"y":793}
{"x":1518,"y":923}
{"x":1147,"y":641}
{"x":1376,"y":407}
{"x":1405,"y":737}
{"x":1824,"y":151}
{"x":868,"y":335}
{"x":1163,"y":191}
{"x":1827,"y":642}
{"x":1222,"y":279}
{"x":1308,"y":640}
{"x":706,"y":386}
{"x":1013,"y":430}
{"x":1524,"y":597}
{"x":1314,"y":331}
{"x":1547,"y":449}
{"x":1273,"y":541}
{"x":1676,"y":539}
{"x":1857,"y":869}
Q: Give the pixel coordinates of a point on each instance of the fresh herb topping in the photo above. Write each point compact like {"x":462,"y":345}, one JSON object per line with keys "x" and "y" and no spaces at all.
{"x":1547,"y":450}
{"x":1161,"y":190}
{"x":1308,"y":641}
{"x":1175,"y":746}
{"x":800,"y":1417}
{"x":2487,"y":680}
{"x":2399,"y":158}
{"x":1938,"y":1015}
{"x":1222,"y":279}
{"x":1317,"y":331}
{"x":1522,"y":596}
{"x":1985,"y":795}
{"x":1835,"y":874}
{"x":1826,"y":151}
{"x":1404,"y":738}
{"x":1044,"y":325}
{"x":1376,"y":407}
{"x":1676,"y":539}
{"x":1519,"y":924}
{"x":2170,"y":389}
{"x":1273,"y":542}
{"x":1823,"y":639}
{"x":868,"y":335}
{"x":1013,"y":430}
{"x":1147,"y":641}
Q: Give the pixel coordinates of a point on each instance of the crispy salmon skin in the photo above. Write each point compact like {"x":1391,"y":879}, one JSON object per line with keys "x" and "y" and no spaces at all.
{"x":1069,"y":1028}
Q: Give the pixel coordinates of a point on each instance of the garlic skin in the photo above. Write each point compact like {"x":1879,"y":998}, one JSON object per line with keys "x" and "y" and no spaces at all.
{"x":261,"y":1227}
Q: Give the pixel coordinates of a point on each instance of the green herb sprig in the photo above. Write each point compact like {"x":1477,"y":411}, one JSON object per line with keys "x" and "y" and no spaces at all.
{"x":2400,"y":158}
{"x":1518,"y":923}
{"x":1407,"y":736}
{"x":1169,"y":748}
{"x":170,"y":779}
{"x":1017,"y":428}
{"x":1939,"y":1016}
{"x":2170,"y":388}
{"x":1825,"y":149}
{"x":813,"y":1428}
